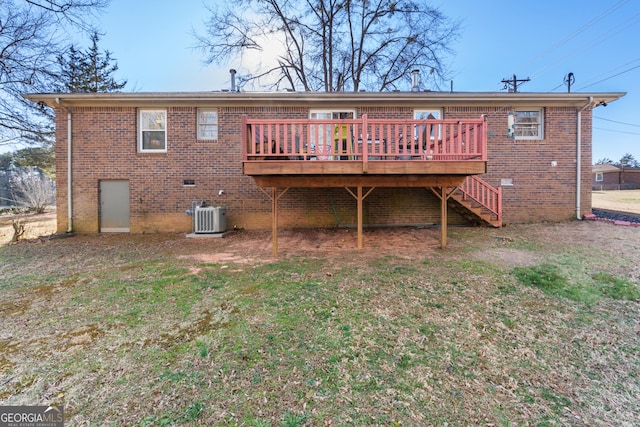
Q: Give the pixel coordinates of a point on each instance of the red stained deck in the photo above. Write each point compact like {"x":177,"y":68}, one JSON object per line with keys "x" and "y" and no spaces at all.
{"x":361,"y":154}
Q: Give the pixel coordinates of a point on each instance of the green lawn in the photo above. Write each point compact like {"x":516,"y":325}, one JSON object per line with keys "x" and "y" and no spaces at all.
{"x":528,"y":325}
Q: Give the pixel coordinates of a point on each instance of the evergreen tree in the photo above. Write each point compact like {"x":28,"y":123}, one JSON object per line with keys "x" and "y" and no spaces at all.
{"x":605,"y":161}
{"x":88,"y":71}
{"x":6,"y":168}
{"x":33,"y":34}
{"x":628,"y":161}
{"x":41,"y":158}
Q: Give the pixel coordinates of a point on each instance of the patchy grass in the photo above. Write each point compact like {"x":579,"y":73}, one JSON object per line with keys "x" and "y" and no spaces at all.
{"x":550,"y":279}
{"x":528,"y":325}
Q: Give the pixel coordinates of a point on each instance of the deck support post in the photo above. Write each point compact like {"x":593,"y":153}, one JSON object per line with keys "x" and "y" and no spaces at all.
{"x":360,"y":199}
{"x":274,"y":221}
{"x":442,"y":186}
{"x":274,"y":197}
{"x":359,"y":196}
{"x":443,"y":193}
{"x":443,"y":217}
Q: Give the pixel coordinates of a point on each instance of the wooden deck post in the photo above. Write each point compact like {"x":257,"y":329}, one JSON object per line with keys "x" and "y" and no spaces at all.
{"x":274,"y":221}
{"x":443,"y":217}
{"x":274,"y":196}
{"x":360,"y":244}
{"x":359,"y":196}
{"x":443,"y":194}
{"x":442,"y":186}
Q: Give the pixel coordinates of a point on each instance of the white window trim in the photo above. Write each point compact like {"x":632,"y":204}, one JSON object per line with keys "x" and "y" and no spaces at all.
{"x":436,"y":112}
{"x":599,"y":176}
{"x":199,"y":124}
{"x":141,"y":149}
{"x":331,"y":112}
{"x":326,"y":133}
{"x":540,"y":135}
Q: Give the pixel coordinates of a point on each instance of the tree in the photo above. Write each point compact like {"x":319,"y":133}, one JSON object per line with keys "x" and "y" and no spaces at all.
{"x":6,"y":167}
{"x":88,"y":71}
{"x":42,"y":158}
{"x":30,"y":188}
{"x":332,"y":45}
{"x":33,"y":34}
{"x":625,"y":162}
{"x":27,"y":162}
{"x":628,"y":161}
{"x":604,"y":161}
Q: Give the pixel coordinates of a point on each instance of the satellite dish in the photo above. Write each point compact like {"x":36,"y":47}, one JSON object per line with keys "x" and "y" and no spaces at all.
{"x":569,"y":79}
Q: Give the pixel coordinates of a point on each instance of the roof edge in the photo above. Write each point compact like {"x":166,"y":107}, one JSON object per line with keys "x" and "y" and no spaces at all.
{"x":446,"y":98}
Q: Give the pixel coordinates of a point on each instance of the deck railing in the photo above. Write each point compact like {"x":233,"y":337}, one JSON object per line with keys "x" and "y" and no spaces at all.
{"x":479,"y":190}
{"x":364,"y":139}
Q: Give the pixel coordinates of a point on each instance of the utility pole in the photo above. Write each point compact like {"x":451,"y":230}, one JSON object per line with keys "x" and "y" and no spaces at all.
{"x":512,"y":84}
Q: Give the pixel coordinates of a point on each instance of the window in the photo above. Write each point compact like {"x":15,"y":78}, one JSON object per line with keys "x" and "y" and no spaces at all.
{"x":207,"y":124}
{"x":428,"y":115}
{"x":329,"y":140}
{"x":152,"y":125}
{"x":599,"y":177}
{"x":528,"y":124}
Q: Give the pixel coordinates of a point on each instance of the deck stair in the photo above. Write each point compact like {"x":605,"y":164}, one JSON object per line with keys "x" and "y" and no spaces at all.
{"x":478,"y":202}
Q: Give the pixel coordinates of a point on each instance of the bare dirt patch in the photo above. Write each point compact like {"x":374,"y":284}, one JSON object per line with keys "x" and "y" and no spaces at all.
{"x":509,"y":246}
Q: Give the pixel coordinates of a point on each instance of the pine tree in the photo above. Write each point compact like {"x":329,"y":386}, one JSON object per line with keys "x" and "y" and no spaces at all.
{"x":88,"y":71}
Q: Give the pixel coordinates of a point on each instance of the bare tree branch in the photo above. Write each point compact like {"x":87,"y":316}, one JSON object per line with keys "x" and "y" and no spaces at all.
{"x":30,"y":188}
{"x":334,"y":44}
{"x":33,"y":33}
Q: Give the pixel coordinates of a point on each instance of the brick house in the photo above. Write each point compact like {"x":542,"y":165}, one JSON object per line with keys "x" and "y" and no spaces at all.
{"x":269,"y":159}
{"x":610,"y":177}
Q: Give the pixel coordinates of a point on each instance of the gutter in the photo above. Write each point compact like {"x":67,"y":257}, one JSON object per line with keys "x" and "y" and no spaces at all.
{"x":69,"y":170}
{"x":150,"y":99}
{"x":579,"y":156}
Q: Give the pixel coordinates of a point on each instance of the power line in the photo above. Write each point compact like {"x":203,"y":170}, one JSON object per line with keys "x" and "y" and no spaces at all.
{"x":618,"y":131}
{"x":603,"y":74}
{"x":614,"y":121}
{"x":612,"y":70}
{"x":635,"y":19}
{"x":577,"y":32}
{"x":609,"y":78}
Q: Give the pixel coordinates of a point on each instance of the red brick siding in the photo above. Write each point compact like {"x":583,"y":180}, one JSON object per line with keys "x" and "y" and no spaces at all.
{"x":105,"y":147}
{"x":540,"y":191}
{"x":617,"y":180}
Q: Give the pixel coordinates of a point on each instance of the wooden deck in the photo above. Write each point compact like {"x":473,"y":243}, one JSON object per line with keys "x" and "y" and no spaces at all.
{"x":362,"y":154}
{"x":360,"y":167}
{"x":364,"y":146}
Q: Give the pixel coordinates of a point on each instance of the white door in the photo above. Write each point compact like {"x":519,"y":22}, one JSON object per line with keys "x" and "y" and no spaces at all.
{"x":322,"y":135}
{"x":114,"y":206}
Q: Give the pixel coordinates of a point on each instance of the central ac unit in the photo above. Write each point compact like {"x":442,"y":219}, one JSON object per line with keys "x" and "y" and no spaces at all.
{"x":210,"y":219}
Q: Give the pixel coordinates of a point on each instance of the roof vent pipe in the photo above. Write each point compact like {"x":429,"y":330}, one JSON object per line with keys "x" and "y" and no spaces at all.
{"x":415,"y":80}
{"x":233,"y":79}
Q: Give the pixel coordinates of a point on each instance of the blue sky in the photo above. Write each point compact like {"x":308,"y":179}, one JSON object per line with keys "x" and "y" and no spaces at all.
{"x":597,"y":41}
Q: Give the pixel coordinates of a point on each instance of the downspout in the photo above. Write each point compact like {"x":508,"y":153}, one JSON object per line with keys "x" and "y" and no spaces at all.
{"x":69,"y":173}
{"x":579,"y":157}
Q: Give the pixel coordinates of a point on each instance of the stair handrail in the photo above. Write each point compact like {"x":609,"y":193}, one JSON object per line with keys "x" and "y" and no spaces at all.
{"x":486,"y":195}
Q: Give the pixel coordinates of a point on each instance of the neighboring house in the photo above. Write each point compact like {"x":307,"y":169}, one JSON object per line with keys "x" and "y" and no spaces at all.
{"x":137,"y":161}
{"x":610,"y":177}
